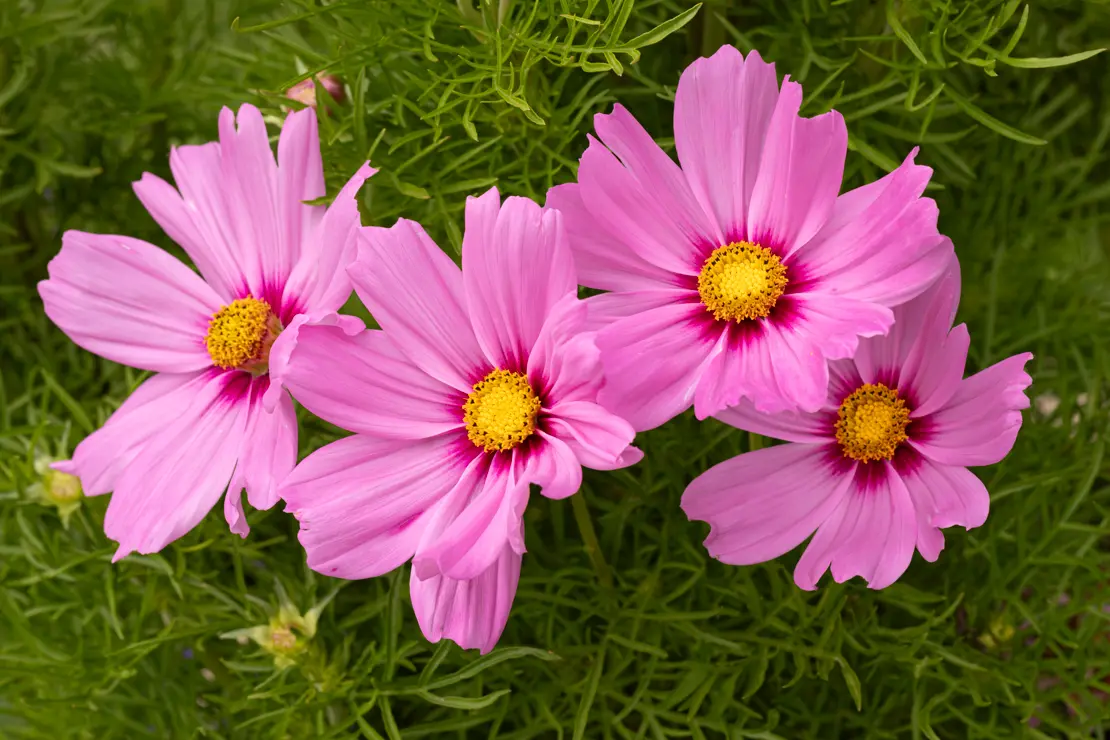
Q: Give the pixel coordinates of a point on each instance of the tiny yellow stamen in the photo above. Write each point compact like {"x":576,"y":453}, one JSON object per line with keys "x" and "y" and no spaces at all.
{"x":872,"y":423}
{"x":500,"y":412}
{"x":741,"y":281}
{"x":240,"y":334}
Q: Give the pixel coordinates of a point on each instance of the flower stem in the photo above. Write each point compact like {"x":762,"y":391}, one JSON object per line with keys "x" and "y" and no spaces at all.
{"x":589,"y":538}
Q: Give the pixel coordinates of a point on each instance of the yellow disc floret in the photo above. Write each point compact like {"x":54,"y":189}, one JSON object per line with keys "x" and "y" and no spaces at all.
{"x":240,"y":334}
{"x":741,"y":281}
{"x":872,"y":423}
{"x":500,"y":411}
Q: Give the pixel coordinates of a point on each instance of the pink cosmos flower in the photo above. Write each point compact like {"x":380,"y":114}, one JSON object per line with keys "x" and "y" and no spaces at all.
{"x":214,"y":417}
{"x":742,"y":272}
{"x":881,"y":468}
{"x":482,"y":382}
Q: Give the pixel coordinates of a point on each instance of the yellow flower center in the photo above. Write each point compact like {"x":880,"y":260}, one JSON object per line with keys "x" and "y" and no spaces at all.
{"x":240,"y":335}
{"x":500,"y":412}
{"x":872,"y":423}
{"x":741,"y":281}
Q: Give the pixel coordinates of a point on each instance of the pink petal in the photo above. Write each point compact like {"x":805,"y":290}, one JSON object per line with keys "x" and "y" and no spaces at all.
{"x":653,"y":218}
{"x":362,"y":501}
{"x":661,"y":178}
{"x":249,"y":178}
{"x":129,"y":302}
{"x":564,"y":364}
{"x":234,"y":515}
{"x":191,"y":223}
{"x":282,"y":348}
{"x":723,"y":110}
{"x":935,"y":372}
{"x":924,"y":320}
{"x":923,"y":356}
{"x":740,"y":367}
{"x":901,"y":537}
{"x":100,"y":458}
{"x":319,"y":282}
{"x":300,"y":178}
{"x":880,"y":243}
{"x":792,"y":426}
{"x":364,"y":384}
{"x":652,"y":363}
{"x":598,"y":438}
{"x":800,"y":371}
{"x":835,"y":323}
{"x":601,"y":259}
{"x":799,"y":175}
{"x":516,"y":267}
{"x":944,"y":496}
{"x":980,"y":422}
{"x":781,"y":364}
{"x":606,"y":308}
{"x":820,"y":551}
{"x":763,"y":504}
{"x":872,"y":534}
{"x":555,"y":468}
{"x":470,"y":613}
{"x":473,"y":524}
{"x":415,"y":292}
{"x":269,"y":449}
{"x":181,"y":472}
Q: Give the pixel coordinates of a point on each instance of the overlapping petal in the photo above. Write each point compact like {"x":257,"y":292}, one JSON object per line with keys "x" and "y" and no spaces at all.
{"x":196,"y":218}
{"x":471,"y":613}
{"x":600,"y":258}
{"x":800,"y":173}
{"x":722,"y":114}
{"x":476,"y":520}
{"x":880,"y":243}
{"x":416,"y":293}
{"x":516,"y":267}
{"x":980,"y":422}
{"x":652,"y":363}
{"x":765,"y":503}
{"x":364,"y":384}
{"x":100,"y":458}
{"x":363,"y":501}
{"x":188,"y":463}
{"x":319,"y":282}
{"x":130,"y":302}
{"x":269,"y":449}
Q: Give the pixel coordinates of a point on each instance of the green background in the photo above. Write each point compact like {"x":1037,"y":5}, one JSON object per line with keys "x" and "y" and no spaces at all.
{"x":643,"y":636}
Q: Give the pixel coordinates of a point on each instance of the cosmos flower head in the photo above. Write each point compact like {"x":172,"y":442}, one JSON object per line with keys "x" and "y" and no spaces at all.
{"x":214,"y":417}
{"x":742,"y":272}
{"x":881,"y":468}
{"x":482,"y":381}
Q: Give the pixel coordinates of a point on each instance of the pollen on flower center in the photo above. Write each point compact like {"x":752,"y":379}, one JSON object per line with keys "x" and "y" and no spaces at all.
{"x":741,"y":281}
{"x":500,"y":411}
{"x":240,"y":335}
{"x":872,"y":423}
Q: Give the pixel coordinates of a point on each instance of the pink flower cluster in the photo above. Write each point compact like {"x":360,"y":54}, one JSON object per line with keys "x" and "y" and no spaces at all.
{"x":739,"y":282}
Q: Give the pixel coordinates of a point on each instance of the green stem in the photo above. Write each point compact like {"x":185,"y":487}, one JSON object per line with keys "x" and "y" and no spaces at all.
{"x":589,"y":538}
{"x":712,"y":32}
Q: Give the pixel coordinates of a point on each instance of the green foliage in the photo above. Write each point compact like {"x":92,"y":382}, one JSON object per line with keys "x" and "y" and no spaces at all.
{"x":622,"y":628}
